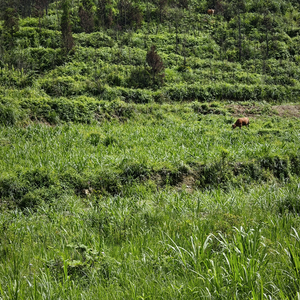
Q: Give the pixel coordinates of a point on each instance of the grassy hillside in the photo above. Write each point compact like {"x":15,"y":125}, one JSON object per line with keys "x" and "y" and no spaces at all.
{"x":120,"y":174}
{"x":247,"y":55}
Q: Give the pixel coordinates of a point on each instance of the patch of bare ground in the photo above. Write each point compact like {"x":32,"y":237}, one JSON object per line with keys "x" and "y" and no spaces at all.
{"x":288,"y":110}
{"x":186,"y":184}
{"x":253,"y":110}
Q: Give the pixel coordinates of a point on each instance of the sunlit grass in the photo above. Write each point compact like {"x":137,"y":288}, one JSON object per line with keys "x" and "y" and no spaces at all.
{"x":212,"y":243}
{"x":86,"y":211}
{"x":167,"y":143}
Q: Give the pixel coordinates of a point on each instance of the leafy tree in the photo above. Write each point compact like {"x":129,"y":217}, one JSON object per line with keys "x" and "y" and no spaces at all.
{"x":156,"y":65}
{"x":39,"y":7}
{"x":66,"y":29}
{"x":105,"y":14}
{"x":176,"y":18}
{"x":10,"y":25}
{"x":25,"y":7}
{"x":267,"y":25}
{"x":129,"y":14}
{"x":240,"y":8}
{"x":162,"y":9}
{"x":183,"y":4}
{"x":86,"y":15}
{"x":180,"y":3}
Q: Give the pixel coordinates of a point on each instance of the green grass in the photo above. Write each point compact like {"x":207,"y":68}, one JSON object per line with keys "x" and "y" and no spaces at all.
{"x":170,"y":204}
{"x":154,"y":245}
{"x":116,"y":186}
{"x":159,"y":139}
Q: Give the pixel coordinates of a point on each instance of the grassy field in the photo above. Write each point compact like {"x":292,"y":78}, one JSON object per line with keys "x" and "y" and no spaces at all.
{"x":120,"y":174}
{"x":168,"y":204}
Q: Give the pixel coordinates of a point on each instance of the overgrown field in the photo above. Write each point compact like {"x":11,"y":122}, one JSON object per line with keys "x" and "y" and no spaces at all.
{"x":169,"y":204}
{"x":120,"y":174}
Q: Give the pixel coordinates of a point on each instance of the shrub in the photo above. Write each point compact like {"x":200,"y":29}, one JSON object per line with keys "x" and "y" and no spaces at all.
{"x":36,"y":197}
{"x":110,"y":140}
{"x":9,"y":114}
{"x":133,"y":171}
{"x":94,"y":138}
{"x":206,"y":108}
{"x":31,"y":188}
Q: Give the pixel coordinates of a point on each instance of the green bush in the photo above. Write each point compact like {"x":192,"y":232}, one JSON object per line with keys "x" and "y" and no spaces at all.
{"x":28,"y":189}
{"x":9,"y":114}
{"x":36,"y":197}
{"x":94,"y":138}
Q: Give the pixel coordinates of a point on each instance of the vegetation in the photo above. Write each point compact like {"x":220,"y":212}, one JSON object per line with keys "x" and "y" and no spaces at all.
{"x":120,"y":174}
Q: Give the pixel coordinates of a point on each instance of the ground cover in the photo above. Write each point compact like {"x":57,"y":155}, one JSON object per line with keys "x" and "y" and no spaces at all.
{"x":240,"y":243}
{"x":170,"y":203}
{"x":121,"y":180}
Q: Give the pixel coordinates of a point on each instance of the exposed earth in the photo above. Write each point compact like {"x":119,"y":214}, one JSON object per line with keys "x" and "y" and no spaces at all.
{"x":288,"y":110}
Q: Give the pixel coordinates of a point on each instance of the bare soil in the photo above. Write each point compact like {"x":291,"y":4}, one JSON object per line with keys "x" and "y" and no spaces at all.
{"x":288,"y":110}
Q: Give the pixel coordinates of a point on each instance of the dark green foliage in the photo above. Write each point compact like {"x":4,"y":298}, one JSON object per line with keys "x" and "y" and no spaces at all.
{"x":291,"y":202}
{"x":105,"y":14}
{"x":86,"y":15}
{"x":208,"y":108}
{"x":10,"y":26}
{"x":129,"y":15}
{"x":156,"y":65}
{"x":29,"y":189}
{"x":110,"y":141}
{"x":105,"y":182}
{"x":9,"y":114}
{"x":36,"y":197}
{"x":140,"y":78}
{"x":134,"y":171}
{"x":223,"y":173}
{"x":95,"y":40}
{"x":171,"y":176}
{"x":279,"y":166}
{"x":94,"y":138}
{"x":66,"y":30}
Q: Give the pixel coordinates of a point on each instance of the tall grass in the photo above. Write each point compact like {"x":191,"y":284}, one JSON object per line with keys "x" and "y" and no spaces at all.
{"x":155,"y":245}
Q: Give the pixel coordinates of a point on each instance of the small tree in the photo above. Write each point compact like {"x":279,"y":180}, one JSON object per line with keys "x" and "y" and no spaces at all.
{"x":162,"y":9}
{"x":129,"y":15}
{"x":105,"y":15}
{"x":66,"y":30}
{"x":25,"y":8}
{"x":10,"y":25}
{"x":267,"y":25}
{"x":240,"y":7}
{"x":39,"y":7}
{"x":156,"y":65}
{"x":183,"y":4}
{"x":86,"y":15}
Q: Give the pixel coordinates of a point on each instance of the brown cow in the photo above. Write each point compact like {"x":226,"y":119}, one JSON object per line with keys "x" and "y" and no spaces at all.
{"x":241,"y":122}
{"x":211,"y":11}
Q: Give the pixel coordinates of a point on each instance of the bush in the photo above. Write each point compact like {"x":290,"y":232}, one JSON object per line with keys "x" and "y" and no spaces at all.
{"x":31,"y":188}
{"x":132,"y":171}
{"x":36,"y":197}
{"x":94,"y":138}
{"x":206,"y":108}
{"x":9,"y":114}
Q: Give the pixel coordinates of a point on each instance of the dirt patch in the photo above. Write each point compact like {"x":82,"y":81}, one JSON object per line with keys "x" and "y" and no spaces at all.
{"x":187,"y":183}
{"x":289,"y":110}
